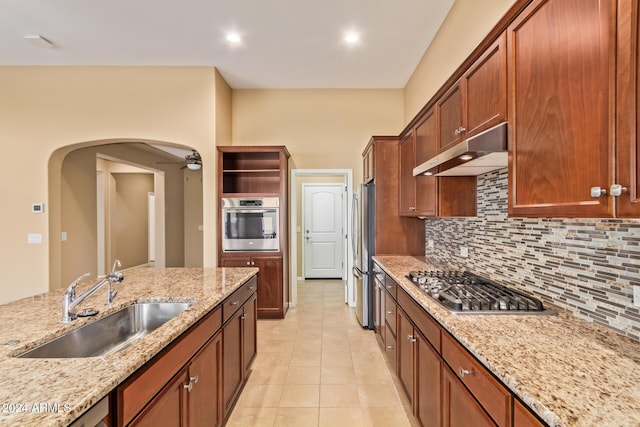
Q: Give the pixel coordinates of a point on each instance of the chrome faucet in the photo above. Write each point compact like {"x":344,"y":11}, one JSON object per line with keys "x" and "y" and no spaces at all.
{"x":70,"y":300}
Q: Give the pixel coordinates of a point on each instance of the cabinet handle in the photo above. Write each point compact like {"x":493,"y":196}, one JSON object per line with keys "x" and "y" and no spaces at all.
{"x":390,"y":347}
{"x":389,"y":286}
{"x":617,"y":190}
{"x":412,"y":208}
{"x":456,"y":132}
{"x":464,"y":372}
{"x":234,"y":302}
{"x":462,"y":129}
{"x":253,"y":263}
{"x":248,"y":262}
{"x":598,"y":192}
{"x":411,"y":338}
{"x":193,"y":379}
{"x":188,"y":387}
{"x":391,"y":312}
{"x":244,"y":316}
{"x":252,"y":288}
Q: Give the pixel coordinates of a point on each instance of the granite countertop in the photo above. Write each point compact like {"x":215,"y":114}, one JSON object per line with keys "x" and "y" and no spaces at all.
{"x":569,"y":371}
{"x":54,"y":392}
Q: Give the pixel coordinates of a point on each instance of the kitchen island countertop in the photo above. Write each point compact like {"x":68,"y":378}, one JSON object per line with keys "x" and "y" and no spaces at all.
{"x":568,"y":371}
{"x":54,"y":392}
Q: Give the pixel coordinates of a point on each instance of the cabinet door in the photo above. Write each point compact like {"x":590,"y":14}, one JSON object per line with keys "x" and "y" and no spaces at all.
{"x":248,"y":317}
{"x":407,"y":180}
{"x":460,"y":409}
{"x":205,"y":373}
{"x":428,"y":399}
{"x":232,"y":359}
{"x":522,"y":417}
{"x":426,"y":148}
{"x":368,"y":164}
{"x":561,"y":107}
{"x":168,"y":408}
{"x":270,"y":292}
{"x":405,"y":345}
{"x":486,"y":89}
{"x":450,"y":117}
{"x":628,"y":116}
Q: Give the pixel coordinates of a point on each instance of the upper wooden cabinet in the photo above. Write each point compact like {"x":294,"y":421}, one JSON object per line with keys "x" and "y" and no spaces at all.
{"x":628,"y":111}
{"x":477,"y":101}
{"x":368,"y":164}
{"x":485,"y":87}
{"x":426,"y":187}
{"x":450,"y":113}
{"x":407,"y":181}
{"x":561,"y":104}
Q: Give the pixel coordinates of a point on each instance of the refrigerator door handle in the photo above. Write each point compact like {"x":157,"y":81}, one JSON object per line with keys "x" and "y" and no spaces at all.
{"x":355,"y":227}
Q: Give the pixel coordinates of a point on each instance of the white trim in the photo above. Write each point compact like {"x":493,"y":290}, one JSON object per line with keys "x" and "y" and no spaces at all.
{"x":347,"y":175}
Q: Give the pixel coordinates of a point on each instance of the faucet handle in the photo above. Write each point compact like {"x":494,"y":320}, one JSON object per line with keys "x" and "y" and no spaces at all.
{"x":116,"y":276}
{"x":116,"y":264}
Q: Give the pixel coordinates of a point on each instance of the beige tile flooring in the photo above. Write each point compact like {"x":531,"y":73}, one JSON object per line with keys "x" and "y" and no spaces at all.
{"x":318,"y":367}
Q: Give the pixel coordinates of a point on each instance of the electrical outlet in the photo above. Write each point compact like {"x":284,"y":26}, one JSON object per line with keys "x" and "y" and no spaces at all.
{"x":430,"y":244}
{"x":636,"y":296}
{"x":464,"y":251}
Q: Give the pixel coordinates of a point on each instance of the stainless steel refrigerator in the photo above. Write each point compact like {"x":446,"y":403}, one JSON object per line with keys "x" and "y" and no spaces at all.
{"x":363,"y":249}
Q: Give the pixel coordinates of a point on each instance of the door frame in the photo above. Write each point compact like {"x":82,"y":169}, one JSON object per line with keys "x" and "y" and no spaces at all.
{"x":344,"y":222}
{"x":347,"y":175}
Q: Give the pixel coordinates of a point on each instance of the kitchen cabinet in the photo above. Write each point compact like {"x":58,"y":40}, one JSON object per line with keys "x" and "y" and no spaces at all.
{"x":449,"y":110}
{"x":192,"y":397}
{"x":272,"y":297}
{"x":407,"y":187}
{"x":368,"y":163}
{"x":446,"y":384}
{"x":239,"y":348}
{"x":561,"y":108}
{"x":436,"y":196}
{"x":184,"y":385}
{"x":628,"y":110}
{"x":378,"y":302}
{"x":405,"y":357}
{"x":394,"y":234}
{"x":459,"y":406}
{"x":251,"y":172}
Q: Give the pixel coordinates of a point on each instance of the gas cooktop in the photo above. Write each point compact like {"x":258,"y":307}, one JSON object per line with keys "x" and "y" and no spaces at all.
{"x":467,"y":293}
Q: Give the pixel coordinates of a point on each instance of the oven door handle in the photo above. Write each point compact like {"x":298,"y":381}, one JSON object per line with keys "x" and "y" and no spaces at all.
{"x":264,"y":211}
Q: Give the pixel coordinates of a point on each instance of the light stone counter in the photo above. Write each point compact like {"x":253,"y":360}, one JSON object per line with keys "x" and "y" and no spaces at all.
{"x":54,"y":392}
{"x":567,"y":370}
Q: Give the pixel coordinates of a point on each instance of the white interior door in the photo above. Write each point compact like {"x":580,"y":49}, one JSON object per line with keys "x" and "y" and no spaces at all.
{"x":323,"y":231}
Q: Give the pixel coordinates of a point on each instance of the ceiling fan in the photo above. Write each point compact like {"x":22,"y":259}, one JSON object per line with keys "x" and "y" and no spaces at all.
{"x":191,"y":161}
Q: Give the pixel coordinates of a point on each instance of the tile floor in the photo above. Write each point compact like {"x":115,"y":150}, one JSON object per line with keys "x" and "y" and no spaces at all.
{"x":318,"y":367}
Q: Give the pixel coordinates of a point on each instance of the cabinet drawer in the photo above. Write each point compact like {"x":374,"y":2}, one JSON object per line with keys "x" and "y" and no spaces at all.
{"x":234,"y":301}
{"x":134,"y":394}
{"x":391,"y":286}
{"x":390,"y":308}
{"x":494,"y":398}
{"x":390,"y":349}
{"x":429,"y":327}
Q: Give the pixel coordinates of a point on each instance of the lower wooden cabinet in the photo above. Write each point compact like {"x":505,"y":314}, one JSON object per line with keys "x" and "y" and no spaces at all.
{"x":195,"y":381}
{"x":428,"y":380}
{"x":445,"y":384}
{"x":460,"y":409}
{"x":272,"y":288}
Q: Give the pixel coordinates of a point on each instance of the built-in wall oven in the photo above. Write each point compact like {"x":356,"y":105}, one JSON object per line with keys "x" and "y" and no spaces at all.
{"x":250,"y":224}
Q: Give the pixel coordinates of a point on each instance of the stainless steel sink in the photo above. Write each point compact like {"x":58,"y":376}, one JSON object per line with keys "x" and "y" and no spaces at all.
{"x":110,"y":334}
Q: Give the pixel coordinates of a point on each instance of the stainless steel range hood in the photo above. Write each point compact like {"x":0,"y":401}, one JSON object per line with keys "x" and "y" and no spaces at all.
{"x":482,"y":153}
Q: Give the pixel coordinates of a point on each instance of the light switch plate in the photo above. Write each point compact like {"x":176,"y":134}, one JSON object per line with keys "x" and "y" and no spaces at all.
{"x":430,"y":244}
{"x":636,"y":296}
{"x":34,"y":238}
{"x":63,"y":236}
{"x":464,"y":251}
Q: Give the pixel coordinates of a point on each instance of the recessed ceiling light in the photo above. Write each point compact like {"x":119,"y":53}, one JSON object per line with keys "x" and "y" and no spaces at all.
{"x":234,"y":38}
{"x":352,"y":37}
{"x":466,"y":157}
{"x":38,"y":40}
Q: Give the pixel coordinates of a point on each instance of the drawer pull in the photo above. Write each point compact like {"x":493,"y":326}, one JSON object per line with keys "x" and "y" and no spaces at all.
{"x":252,"y":288}
{"x":389,"y":286}
{"x":234,"y":303}
{"x":390,"y":347}
{"x":411,"y":338}
{"x":244,"y":316}
{"x":188,"y":386}
{"x":464,"y":372}
{"x":193,"y":379}
{"x":391,"y":312}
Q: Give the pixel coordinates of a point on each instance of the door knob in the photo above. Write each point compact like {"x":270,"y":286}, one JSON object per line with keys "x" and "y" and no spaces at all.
{"x":598,"y":192}
{"x":617,"y":190}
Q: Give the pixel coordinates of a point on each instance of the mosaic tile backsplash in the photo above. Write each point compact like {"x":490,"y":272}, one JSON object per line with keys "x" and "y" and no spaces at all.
{"x":586,"y":266}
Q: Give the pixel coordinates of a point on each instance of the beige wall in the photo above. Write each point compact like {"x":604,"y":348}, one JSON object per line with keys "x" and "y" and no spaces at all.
{"x":322,"y":128}
{"x":468,"y":22}
{"x":131,"y":218}
{"x":45,"y":108}
{"x":193,"y":218}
